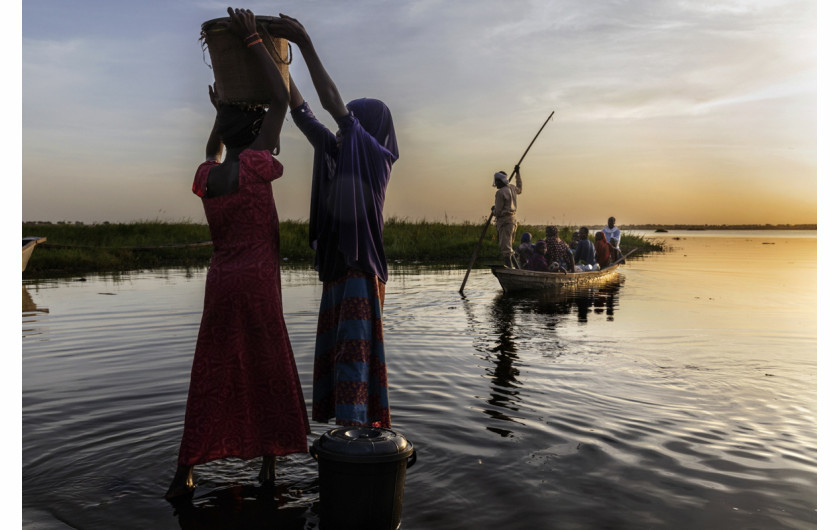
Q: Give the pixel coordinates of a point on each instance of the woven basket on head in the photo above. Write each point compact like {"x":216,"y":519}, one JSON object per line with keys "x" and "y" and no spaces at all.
{"x":239,"y":80}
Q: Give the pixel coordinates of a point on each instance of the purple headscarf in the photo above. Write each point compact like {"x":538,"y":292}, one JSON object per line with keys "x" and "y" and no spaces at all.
{"x":375,"y":118}
{"x":348,"y":187}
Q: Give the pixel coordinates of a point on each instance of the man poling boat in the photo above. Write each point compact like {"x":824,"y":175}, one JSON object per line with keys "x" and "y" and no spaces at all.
{"x":505,"y":212}
{"x":504,"y":228}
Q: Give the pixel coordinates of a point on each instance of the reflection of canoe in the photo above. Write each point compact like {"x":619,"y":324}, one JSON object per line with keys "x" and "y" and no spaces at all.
{"x":29,"y":305}
{"x":514,"y":280}
{"x":582,"y":301}
{"x":28,"y":246}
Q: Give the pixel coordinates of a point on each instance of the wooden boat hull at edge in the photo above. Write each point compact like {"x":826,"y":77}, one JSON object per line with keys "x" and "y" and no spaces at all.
{"x":28,"y":246}
{"x":515,"y":280}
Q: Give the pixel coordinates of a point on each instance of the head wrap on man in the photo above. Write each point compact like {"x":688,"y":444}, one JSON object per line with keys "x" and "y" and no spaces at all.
{"x":500,"y":177}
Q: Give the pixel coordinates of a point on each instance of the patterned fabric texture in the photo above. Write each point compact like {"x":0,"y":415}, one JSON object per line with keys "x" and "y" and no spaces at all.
{"x":245,"y":398}
{"x":557,"y":250}
{"x":350,"y":381}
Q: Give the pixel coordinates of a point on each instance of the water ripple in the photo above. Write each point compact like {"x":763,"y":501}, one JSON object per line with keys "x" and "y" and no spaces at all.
{"x":603,"y":409}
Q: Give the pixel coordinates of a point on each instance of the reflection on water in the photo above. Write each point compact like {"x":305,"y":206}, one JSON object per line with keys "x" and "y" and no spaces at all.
{"x":554,"y":308}
{"x":245,"y":506}
{"x":681,"y":396}
{"x":503,"y":388}
{"x":580,"y":301}
{"x":29,"y":305}
{"x":30,"y":310}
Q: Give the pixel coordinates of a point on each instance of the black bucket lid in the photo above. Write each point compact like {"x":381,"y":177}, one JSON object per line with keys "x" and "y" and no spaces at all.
{"x":362,"y":444}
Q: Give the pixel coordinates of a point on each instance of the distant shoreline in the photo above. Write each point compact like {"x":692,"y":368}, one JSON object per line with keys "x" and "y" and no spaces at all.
{"x":78,"y":248}
{"x":719,"y":227}
{"x":73,"y":247}
{"x":591,"y":226}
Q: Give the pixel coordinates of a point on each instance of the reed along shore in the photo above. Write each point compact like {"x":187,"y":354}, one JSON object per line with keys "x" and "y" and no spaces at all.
{"x":75,"y":248}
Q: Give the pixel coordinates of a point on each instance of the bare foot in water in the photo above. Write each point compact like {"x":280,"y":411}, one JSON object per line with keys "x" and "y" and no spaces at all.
{"x":268,"y":471}
{"x":182,"y":484}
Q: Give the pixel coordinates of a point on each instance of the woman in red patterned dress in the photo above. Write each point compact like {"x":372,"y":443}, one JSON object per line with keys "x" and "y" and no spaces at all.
{"x":245,"y":398}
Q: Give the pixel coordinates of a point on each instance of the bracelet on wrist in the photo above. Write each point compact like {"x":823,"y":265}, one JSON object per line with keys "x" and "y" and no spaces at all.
{"x":248,"y":45}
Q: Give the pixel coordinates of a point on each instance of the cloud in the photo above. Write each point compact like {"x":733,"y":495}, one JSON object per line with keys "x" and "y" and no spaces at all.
{"x":663,"y":87}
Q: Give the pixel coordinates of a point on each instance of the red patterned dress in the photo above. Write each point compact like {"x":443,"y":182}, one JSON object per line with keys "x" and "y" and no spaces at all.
{"x":245,"y":398}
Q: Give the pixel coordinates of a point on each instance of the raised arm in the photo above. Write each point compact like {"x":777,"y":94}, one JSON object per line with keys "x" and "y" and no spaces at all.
{"x":292,"y":30}
{"x":296,"y":99}
{"x":318,"y":135}
{"x":518,"y":179}
{"x":243,"y":25}
{"x":213,"y":150}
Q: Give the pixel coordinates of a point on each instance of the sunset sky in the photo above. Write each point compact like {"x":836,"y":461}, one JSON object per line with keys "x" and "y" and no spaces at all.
{"x":665,"y":112}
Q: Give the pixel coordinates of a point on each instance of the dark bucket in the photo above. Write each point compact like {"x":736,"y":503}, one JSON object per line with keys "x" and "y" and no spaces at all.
{"x":361,"y":471}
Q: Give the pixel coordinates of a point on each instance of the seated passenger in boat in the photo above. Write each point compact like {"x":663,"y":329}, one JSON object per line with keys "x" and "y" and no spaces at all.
{"x":612,"y":232}
{"x":573,"y":245}
{"x":615,"y":252}
{"x":537,"y":261}
{"x":525,"y":249}
{"x":557,"y":251}
{"x":585,"y":250}
{"x":603,"y":250}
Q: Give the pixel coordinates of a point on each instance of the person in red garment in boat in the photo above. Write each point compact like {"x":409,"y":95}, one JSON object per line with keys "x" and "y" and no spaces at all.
{"x":603,"y":250}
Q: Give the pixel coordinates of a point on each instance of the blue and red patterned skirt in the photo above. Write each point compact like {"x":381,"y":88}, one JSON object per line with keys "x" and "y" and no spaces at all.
{"x":350,"y":381}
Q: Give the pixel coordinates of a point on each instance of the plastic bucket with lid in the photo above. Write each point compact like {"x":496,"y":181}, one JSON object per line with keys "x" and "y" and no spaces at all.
{"x":361,"y":473}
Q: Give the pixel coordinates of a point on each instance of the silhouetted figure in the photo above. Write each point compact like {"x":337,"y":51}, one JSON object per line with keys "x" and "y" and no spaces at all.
{"x":245,"y":398}
{"x":505,"y":212}
{"x":351,"y":171}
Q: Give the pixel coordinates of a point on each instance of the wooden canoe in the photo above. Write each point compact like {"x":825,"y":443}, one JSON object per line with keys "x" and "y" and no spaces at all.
{"x":28,"y":246}
{"x":517,"y":280}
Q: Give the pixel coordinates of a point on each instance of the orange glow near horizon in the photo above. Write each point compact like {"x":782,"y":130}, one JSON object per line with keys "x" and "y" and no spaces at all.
{"x":692,"y":114}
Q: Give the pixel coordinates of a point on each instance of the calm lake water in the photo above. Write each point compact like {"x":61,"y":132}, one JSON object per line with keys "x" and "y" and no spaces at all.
{"x":682,"y":395}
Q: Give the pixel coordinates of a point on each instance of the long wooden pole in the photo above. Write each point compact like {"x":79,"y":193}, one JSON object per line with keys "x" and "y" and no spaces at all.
{"x":532,"y":143}
{"x":624,"y":257}
{"x":475,"y":253}
{"x":484,"y":231}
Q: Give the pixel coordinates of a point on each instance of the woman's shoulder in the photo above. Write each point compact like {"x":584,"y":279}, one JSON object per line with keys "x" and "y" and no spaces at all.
{"x":199,"y":186}
{"x":259,"y":165}
{"x":351,"y":127}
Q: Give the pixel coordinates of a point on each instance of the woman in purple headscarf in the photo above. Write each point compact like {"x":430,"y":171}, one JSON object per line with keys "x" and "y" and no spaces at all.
{"x":350,"y":174}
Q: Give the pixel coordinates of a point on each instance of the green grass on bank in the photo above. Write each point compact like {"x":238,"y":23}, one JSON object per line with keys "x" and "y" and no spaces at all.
{"x":112,"y":247}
